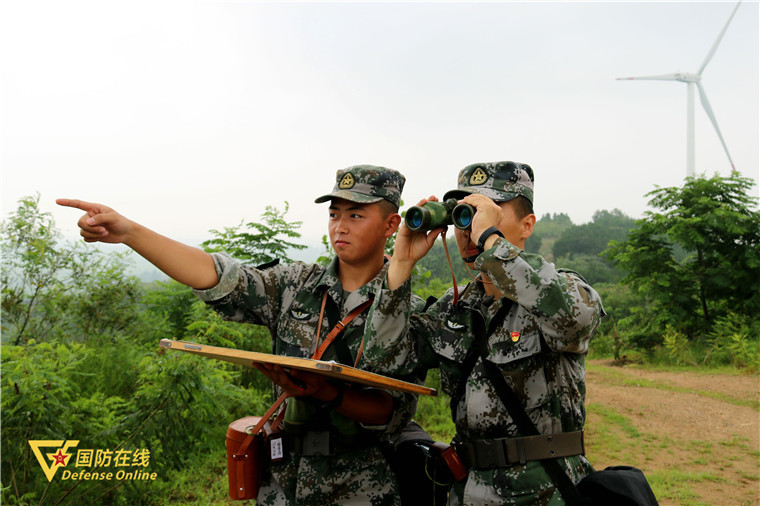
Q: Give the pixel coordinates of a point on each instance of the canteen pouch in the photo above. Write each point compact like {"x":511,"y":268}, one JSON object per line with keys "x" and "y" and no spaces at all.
{"x":244,"y":455}
{"x":449,"y":456}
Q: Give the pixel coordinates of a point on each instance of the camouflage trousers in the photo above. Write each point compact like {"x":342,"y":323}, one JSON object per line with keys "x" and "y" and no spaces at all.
{"x":527,"y":485}
{"x":359,"y":477}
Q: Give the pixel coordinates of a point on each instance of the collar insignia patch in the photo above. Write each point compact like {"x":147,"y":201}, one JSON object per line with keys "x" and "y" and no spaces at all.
{"x":299,"y":315}
{"x":454,"y":325}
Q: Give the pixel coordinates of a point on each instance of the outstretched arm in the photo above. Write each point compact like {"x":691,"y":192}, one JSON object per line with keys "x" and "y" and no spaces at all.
{"x":189,"y":265}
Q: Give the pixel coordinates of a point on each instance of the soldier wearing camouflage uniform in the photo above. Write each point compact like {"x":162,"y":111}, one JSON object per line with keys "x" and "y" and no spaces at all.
{"x":334,"y":432}
{"x":537,"y":320}
{"x":287,"y":299}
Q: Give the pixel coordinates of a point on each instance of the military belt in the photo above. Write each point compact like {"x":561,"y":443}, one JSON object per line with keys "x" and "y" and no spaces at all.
{"x":505,"y":452}
{"x":324,"y":442}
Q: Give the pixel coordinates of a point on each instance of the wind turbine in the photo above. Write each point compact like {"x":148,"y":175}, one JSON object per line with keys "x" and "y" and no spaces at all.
{"x":691,"y":81}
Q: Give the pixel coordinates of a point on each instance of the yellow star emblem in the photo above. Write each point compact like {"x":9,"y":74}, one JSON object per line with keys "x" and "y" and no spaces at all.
{"x":347,"y":182}
{"x":478,"y":177}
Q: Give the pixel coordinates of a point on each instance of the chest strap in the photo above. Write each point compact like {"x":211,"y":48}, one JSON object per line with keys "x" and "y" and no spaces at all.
{"x":317,"y":355}
{"x":505,"y":452}
{"x":338,"y":327}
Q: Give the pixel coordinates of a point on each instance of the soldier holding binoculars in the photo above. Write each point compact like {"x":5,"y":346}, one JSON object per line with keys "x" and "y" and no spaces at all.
{"x":522,"y":326}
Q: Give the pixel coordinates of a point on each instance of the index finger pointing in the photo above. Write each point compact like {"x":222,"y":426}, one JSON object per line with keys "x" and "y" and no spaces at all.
{"x":79,"y":204}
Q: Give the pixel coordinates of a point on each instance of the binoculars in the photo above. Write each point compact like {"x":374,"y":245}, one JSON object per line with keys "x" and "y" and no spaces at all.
{"x":432,"y":215}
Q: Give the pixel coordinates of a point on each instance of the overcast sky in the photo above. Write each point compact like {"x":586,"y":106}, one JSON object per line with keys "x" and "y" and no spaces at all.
{"x":189,"y":116}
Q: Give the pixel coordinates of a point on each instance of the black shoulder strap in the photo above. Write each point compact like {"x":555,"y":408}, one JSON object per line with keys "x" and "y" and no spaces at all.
{"x":524,"y":424}
{"x":479,"y":331}
{"x":429,"y":302}
{"x":269,"y":264}
{"x":468,"y":364}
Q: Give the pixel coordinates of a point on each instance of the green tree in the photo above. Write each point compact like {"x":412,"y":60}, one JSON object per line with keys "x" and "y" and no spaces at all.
{"x":547,"y":230}
{"x":39,"y":390}
{"x":579,"y":246}
{"x":592,"y":238}
{"x":258,"y":243}
{"x":49,"y":290}
{"x":717,"y":225}
{"x":327,"y":254}
{"x":595,"y":270}
{"x":262,"y":243}
{"x":625,"y":309}
{"x":32,"y":269}
{"x":85,"y":365}
{"x":172,"y":302}
{"x":435,"y":261}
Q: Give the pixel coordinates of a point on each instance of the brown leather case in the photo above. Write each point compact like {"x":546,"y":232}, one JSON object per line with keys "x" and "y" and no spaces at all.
{"x":244,"y":454}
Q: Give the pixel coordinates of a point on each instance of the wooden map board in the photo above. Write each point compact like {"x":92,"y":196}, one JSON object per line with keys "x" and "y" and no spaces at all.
{"x":331,"y":369}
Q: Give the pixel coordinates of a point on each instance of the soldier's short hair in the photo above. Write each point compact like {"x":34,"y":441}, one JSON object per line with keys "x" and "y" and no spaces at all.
{"x":522,"y":206}
{"x":387,"y":208}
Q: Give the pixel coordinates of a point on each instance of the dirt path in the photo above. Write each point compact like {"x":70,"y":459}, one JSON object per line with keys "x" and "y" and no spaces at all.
{"x":696,"y":436}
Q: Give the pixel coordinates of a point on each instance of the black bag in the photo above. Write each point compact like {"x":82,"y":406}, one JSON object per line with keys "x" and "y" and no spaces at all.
{"x":422,"y":480}
{"x":619,"y":485}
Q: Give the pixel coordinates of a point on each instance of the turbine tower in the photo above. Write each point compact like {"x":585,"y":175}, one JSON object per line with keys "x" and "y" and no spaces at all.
{"x":691,"y":81}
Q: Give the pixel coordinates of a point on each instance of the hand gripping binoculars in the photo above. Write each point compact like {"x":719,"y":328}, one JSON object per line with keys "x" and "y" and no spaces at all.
{"x":432,"y":215}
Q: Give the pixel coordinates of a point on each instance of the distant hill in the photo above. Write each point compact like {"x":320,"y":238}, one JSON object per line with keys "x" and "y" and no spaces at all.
{"x":548,"y":229}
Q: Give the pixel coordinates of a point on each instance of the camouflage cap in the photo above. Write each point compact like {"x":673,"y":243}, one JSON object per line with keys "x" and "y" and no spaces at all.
{"x":499,"y":181}
{"x":367,"y":184}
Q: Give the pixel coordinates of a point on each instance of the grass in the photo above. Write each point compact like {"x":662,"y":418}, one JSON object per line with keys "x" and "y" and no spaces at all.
{"x":619,"y":378}
{"x":613,"y":417}
{"x":749,"y":477}
{"x":203,"y":482}
{"x":678,"y":486}
{"x":636,"y":359}
{"x":682,"y":469}
{"x":434,"y":417}
{"x":614,"y":438}
{"x":433,"y":413}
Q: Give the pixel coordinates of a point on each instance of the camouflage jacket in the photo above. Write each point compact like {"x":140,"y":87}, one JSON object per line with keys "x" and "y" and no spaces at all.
{"x":538,"y":335}
{"x":287,"y":300}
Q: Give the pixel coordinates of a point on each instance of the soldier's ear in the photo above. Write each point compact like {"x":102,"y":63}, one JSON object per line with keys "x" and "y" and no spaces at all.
{"x":527,"y":225}
{"x":392,"y":223}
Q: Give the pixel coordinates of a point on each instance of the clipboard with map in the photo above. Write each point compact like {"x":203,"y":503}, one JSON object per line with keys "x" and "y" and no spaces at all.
{"x":330,"y":369}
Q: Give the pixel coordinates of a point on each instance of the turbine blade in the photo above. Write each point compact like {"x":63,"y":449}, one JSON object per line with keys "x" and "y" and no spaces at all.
{"x":717,"y":41}
{"x":664,"y":77}
{"x":709,"y":111}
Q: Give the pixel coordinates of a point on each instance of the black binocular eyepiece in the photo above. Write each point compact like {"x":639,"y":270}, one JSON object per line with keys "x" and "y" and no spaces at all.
{"x":432,"y":215}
